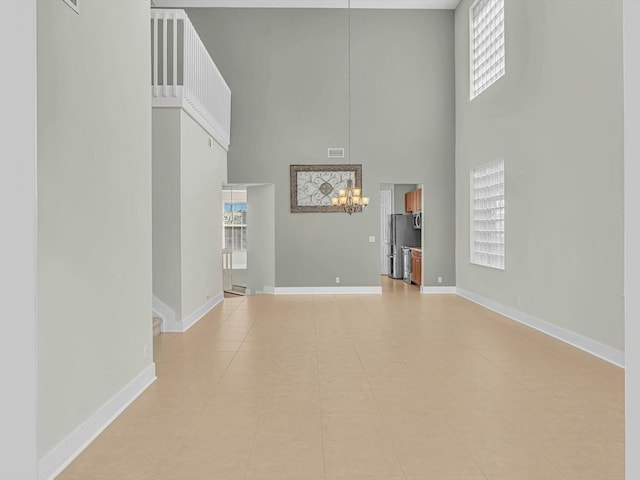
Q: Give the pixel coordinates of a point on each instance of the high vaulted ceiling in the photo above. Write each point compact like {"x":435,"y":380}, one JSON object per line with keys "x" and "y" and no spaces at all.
{"x":382,"y":4}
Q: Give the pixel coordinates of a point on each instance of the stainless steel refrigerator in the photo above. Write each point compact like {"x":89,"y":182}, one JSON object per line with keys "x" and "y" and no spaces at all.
{"x":402,"y":234}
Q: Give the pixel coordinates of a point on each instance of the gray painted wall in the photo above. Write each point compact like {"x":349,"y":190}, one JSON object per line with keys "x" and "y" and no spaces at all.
{"x":261,"y":237}
{"x":187,"y":226}
{"x":288,"y":73}
{"x":203,"y":171}
{"x":556,"y":118}
{"x":166,"y":207}
{"x":94,"y":209}
{"x":632,"y":234}
{"x":18,"y":257}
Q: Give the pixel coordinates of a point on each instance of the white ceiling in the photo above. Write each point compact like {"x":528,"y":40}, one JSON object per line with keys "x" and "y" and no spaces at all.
{"x":384,"y":4}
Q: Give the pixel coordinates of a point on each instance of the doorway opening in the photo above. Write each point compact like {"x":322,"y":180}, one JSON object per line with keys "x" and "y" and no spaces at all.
{"x":248,"y":255}
{"x":401,"y":233}
{"x":234,"y":239}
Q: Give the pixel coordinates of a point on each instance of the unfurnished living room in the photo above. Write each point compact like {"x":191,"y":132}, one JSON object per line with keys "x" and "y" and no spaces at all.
{"x":320,"y":240}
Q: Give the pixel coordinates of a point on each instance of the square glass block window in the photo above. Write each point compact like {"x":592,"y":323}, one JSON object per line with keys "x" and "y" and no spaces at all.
{"x":487,"y":215}
{"x":487,"y":52}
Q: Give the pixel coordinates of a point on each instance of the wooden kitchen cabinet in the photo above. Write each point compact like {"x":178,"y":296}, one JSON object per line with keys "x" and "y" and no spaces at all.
{"x":413,"y":201}
{"x":416,"y":267}
{"x":408,"y":202}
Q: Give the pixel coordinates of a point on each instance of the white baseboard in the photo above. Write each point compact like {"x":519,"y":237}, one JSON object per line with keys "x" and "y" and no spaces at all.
{"x":600,"y":350}
{"x":168,"y":315}
{"x":268,"y":289}
{"x":438,"y":290}
{"x":169,"y":321}
{"x":327,"y":290}
{"x":191,"y":319}
{"x":66,"y":451}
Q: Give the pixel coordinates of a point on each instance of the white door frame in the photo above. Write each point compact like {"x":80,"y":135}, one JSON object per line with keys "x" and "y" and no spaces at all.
{"x":386,"y":209}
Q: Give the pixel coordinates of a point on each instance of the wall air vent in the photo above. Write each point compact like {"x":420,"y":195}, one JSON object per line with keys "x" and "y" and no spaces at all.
{"x":335,"y":152}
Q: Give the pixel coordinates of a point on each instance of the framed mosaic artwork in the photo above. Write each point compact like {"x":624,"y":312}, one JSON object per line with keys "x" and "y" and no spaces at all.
{"x":312,"y":186}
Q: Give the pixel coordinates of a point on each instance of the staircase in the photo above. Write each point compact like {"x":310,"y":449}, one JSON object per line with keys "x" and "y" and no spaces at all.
{"x":157,"y":321}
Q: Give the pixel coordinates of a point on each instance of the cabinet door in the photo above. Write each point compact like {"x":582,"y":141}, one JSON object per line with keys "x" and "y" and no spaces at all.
{"x":412,"y":201}
{"x":413,"y":266}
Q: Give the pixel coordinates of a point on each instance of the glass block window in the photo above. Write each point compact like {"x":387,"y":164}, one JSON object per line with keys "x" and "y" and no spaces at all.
{"x":486,"y":18}
{"x":487,"y":215}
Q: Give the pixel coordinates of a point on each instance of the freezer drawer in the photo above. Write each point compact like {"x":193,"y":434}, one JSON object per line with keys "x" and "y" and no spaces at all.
{"x":395,"y":265}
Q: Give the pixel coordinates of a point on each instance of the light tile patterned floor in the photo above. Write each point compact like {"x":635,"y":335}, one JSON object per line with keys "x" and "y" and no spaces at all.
{"x":399,"y":386}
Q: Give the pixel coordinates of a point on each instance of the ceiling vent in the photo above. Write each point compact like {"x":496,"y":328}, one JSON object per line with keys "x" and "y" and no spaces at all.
{"x":335,"y":152}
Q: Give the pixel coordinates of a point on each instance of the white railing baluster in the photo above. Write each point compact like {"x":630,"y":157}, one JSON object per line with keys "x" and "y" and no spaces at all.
{"x":175,"y":53}
{"x":197,"y":76}
{"x":203,"y":93}
{"x":185,"y":58}
{"x":200,"y":76}
{"x":192,"y":63}
{"x":164,"y":56}
{"x":155,"y":55}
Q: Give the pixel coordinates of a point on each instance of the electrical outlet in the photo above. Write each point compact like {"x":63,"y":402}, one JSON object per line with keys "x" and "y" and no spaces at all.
{"x":146,"y":352}
{"x":208,"y":295}
{"x":518,"y":302}
{"x":372,"y":239}
{"x":439,"y":279}
{"x":337,"y":279}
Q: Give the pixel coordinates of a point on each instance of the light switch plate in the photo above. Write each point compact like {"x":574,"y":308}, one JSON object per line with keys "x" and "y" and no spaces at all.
{"x":372,"y":239}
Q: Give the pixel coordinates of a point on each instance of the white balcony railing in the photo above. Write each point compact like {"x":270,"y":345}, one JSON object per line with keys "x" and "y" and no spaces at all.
{"x":184,"y":75}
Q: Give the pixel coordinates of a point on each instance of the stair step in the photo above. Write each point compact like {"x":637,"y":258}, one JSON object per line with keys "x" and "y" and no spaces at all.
{"x":157,"y":321}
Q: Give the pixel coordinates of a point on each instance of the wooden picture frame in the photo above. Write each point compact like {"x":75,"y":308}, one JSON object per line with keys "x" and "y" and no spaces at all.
{"x":312,"y":186}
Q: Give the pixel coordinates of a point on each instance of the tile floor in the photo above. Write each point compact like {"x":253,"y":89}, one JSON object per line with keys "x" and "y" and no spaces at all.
{"x":400,"y":386}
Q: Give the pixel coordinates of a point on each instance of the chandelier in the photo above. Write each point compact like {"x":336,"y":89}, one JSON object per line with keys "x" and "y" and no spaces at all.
{"x":350,"y":199}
